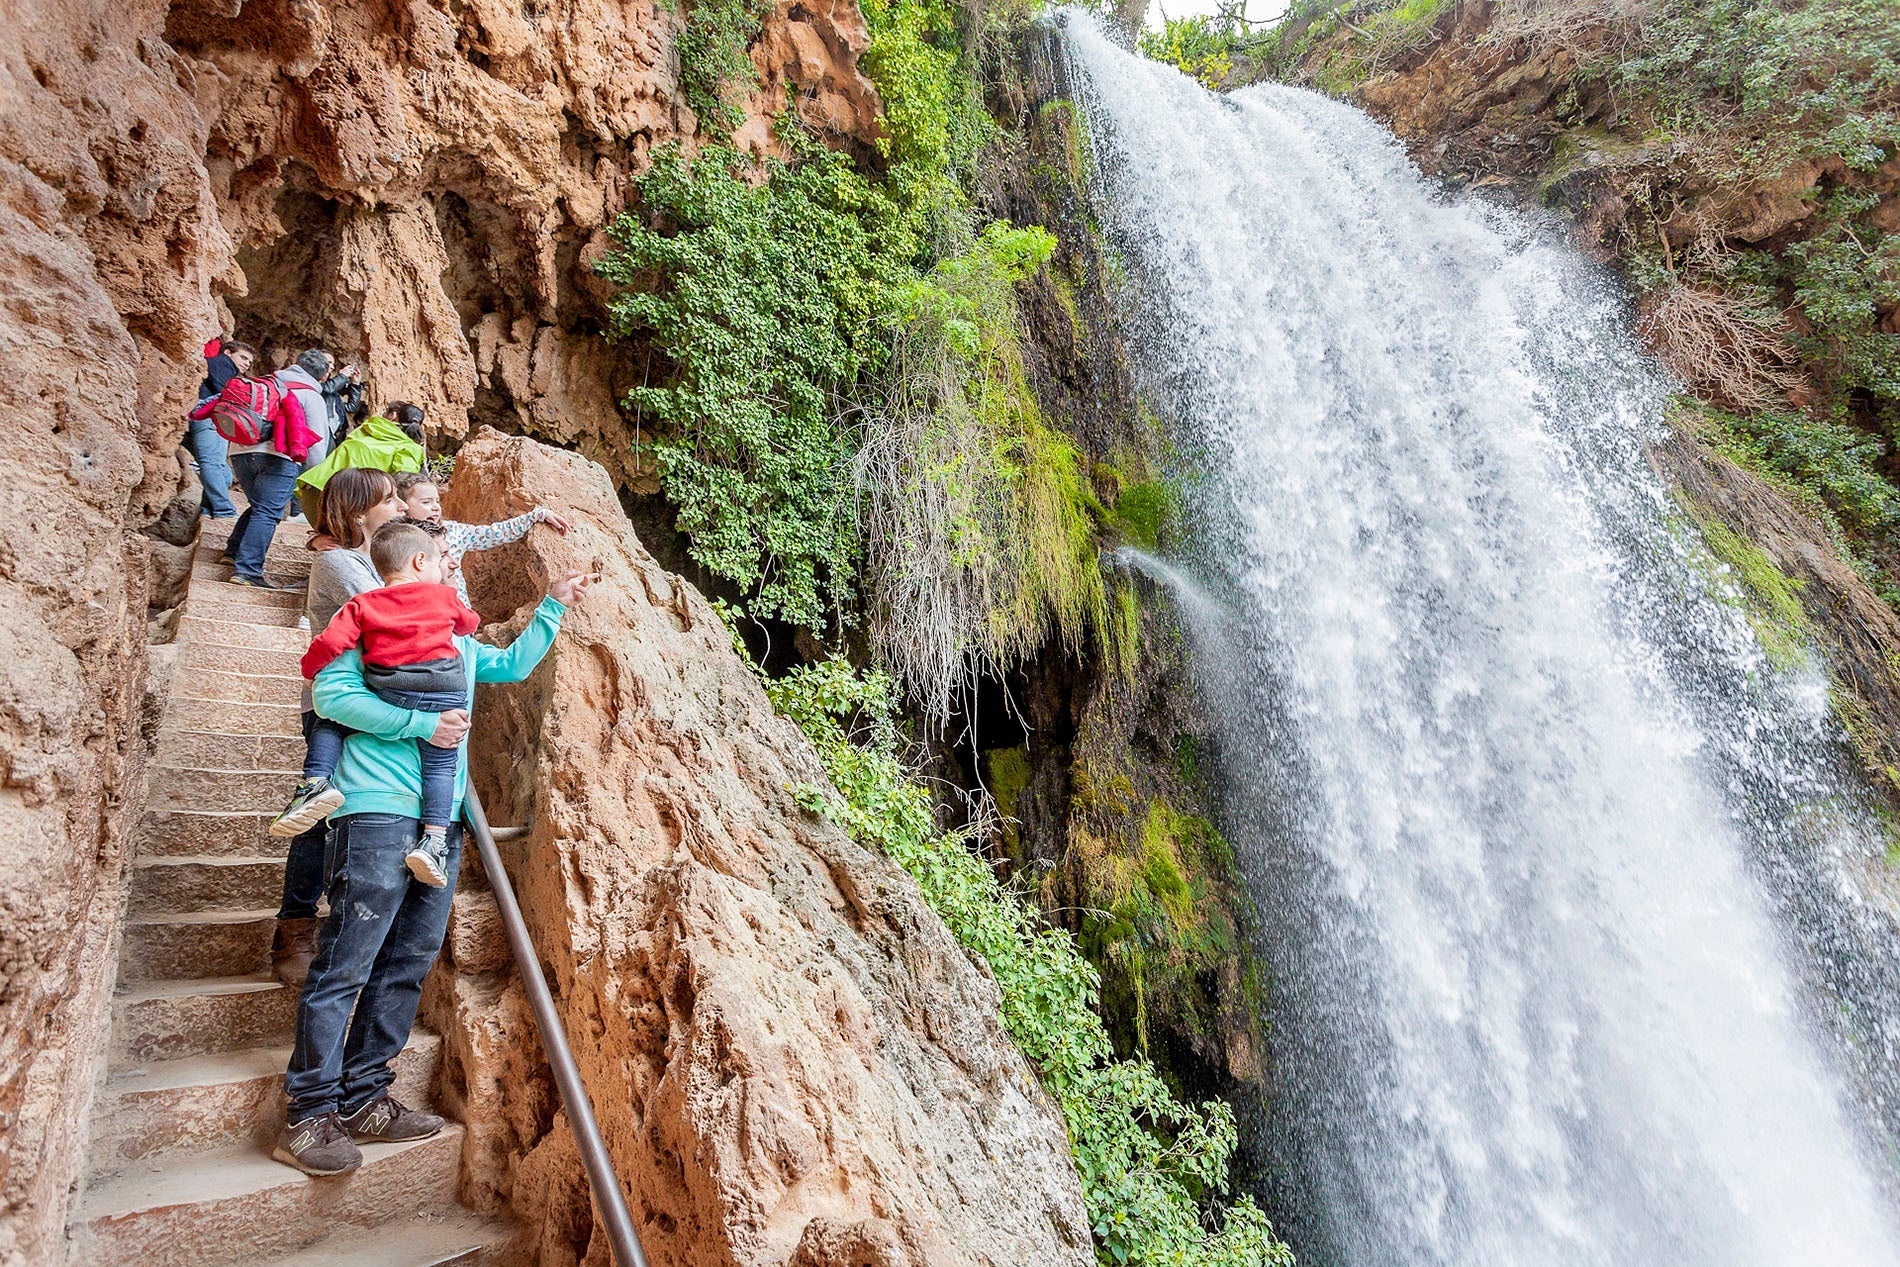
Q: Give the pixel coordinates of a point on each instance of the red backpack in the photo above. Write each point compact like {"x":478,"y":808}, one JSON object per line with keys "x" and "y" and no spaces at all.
{"x":243,"y":411}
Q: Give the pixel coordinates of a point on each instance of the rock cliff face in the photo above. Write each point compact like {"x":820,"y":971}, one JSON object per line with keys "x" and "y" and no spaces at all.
{"x":419,"y":185}
{"x":792,"y":1060}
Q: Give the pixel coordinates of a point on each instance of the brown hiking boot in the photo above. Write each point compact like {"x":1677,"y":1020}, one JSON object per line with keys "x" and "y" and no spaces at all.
{"x":292,"y":949}
{"x":387,"y":1120}
{"x":318,"y":1146}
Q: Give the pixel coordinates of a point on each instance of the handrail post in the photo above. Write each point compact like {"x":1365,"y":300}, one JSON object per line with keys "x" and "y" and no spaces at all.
{"x":567,"y":1075}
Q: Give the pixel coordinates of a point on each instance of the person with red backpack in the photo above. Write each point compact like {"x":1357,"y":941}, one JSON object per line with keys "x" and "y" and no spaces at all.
{"x":271,"y":424}
{"x":225,"y":359}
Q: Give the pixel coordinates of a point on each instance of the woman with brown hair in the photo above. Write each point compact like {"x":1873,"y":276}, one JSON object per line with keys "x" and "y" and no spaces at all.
{"x":356,"y":502}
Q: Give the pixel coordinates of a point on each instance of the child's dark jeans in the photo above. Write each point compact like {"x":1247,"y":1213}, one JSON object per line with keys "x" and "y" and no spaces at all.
{"x":323,"y":740}
{"x":438,"y":764}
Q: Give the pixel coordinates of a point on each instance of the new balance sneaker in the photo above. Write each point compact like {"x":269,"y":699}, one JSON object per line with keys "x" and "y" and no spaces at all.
{"x":318,"y":1146}
{"x":429,"y":860}
{"x":309,"y":805}
{"x":387,"y":1120}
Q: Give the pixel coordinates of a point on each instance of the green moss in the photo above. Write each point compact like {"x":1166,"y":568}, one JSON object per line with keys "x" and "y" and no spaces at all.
{"x":1187,"y":760}
{"x":1142,"y":511}
{"x":1071,"y":308}
{"x":1748,"y":580}
{"x":1870,"y":741}
{"x":1124,"y":632}
{"x":1006,"y":771}
{"x":1162,"y":836}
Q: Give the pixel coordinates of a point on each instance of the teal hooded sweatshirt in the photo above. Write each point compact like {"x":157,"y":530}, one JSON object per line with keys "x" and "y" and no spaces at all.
{"x":381,"y":771}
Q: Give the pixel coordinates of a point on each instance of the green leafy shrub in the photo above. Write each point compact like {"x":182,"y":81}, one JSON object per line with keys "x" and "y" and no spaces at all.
{"x":714,"y":66}
{"x":767,"y":292}
{"x":1151,"y":1167}
{"x":1793,"y":77}
{"x":1839,"y":463}
{"x":1202,"y":45}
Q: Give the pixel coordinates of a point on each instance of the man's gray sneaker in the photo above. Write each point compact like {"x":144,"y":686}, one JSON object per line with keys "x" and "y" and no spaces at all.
{"x":309,"y":804}
{"x":429,"y":860}
{"x":318,"y":1146}
{"x":388,"y":1120}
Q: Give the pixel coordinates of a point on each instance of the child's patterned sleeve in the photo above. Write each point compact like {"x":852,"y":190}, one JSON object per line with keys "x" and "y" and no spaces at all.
{"x":465,"y":537}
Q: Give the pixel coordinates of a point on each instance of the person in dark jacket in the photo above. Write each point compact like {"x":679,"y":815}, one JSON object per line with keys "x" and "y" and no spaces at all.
{"x":225,"y":359}
{"x":343,"y":394}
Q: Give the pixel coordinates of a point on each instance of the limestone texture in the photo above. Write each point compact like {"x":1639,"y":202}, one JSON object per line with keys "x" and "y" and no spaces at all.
{"x":418,"y":185}
{"x":792,"y":1060}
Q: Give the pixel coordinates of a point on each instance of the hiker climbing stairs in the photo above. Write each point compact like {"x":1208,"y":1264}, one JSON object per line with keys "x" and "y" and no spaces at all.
{"x":180,"y":1167}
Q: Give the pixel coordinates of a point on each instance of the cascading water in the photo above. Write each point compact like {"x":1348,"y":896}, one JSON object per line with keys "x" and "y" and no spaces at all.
{"x":1551,"y":860}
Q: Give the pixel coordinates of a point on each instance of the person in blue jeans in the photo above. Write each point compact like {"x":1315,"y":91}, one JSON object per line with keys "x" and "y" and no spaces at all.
{"x":268,"y":473}
{"x":225,"y":359}
{"x":384,"y":928}
{"x":405,"y":630}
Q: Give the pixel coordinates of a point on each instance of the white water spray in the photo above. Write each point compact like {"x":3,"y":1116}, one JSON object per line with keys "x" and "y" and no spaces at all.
{"x":1510,"y":779}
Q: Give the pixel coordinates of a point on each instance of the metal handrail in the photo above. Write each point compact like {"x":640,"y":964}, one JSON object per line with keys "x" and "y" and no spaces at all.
{"x":567,"y":1075}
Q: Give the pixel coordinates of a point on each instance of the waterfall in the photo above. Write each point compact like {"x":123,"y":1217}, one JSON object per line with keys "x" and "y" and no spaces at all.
{"x":1554,"y":868}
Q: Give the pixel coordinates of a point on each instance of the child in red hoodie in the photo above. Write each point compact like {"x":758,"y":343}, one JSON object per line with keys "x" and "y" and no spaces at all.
{"x":406,"y":631}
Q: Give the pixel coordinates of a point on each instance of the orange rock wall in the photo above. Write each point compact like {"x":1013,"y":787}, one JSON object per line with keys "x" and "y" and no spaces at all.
{"x":791,"y":1059}
{"x":418,"y":184}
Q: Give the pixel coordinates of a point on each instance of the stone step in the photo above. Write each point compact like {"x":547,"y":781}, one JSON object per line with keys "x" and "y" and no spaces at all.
{"x":247,"y":598}
{"x":237,"y":1205}
{"x":169,"y":1020}
{"x":175,"y":788}
{"x":211,"y":943}
{"x":237,"y":633}
{"x":224,"y":717}
{"x":240,"y":685}
{"x":285,"y":577}
{"x":213,"y":655}
{"x":244,"y":833}
{"x":276,"y":754}
{"x":177,"y":884}
{"x":437,"y":1239}
{"x":207,"y":1102}
{"x":222,"y":603}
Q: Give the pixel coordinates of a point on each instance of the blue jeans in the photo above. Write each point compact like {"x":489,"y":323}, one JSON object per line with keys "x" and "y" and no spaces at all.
{"x":323,"y":745}
{"x":438,"y":764}
{"x":268,"y":480}
{"x":214,"y":472}
{"x":382,"y":935}
{"x":303,"y":865}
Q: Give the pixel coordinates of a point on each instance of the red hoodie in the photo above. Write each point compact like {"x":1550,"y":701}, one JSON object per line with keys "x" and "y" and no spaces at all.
{"x":411,"y":623}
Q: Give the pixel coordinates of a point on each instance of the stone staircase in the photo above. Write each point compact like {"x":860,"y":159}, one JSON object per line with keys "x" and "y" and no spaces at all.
{"x":180,"y":1171}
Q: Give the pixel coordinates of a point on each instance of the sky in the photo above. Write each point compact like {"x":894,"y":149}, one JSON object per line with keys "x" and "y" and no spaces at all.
{"x":1257,"y":10}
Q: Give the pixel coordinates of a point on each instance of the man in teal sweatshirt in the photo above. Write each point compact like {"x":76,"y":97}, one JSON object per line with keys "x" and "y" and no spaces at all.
{"x":384,"y":930}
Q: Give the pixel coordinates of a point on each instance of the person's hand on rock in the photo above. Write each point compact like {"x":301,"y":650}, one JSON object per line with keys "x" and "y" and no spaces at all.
{"x":552,"y":520}
{"x":570,"y":589}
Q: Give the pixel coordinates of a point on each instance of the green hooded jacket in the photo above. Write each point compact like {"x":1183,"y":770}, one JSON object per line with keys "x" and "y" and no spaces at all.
{"x":378,"y":444}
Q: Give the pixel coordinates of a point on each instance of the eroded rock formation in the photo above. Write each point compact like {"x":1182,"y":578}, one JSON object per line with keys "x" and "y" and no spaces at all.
{"x":419,"y":184}
{"x":791,"y":1058}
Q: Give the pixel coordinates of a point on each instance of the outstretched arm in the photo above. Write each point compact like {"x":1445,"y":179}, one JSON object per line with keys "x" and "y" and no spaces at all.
{"x":521,"y":657}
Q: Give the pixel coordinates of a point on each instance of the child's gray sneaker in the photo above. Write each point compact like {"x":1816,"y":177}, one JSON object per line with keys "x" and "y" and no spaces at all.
{"x":312,"y":802}
{"x":429,"y":860}
{"x":318,"y":1146}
